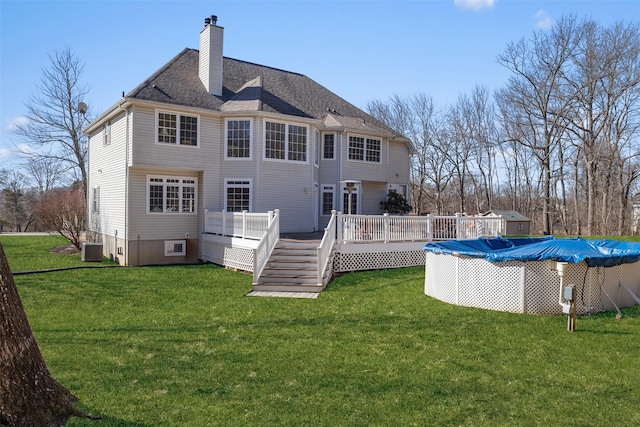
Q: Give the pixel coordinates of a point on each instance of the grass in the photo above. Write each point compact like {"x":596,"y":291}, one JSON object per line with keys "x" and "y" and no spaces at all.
{"x":32,"y":253}
{"x":166,"y":346}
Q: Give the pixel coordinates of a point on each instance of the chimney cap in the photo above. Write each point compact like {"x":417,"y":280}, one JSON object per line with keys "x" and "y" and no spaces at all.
{"x":211,"y":20}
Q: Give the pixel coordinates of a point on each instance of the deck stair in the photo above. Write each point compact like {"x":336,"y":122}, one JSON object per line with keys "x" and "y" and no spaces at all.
{"x":292,"y":267}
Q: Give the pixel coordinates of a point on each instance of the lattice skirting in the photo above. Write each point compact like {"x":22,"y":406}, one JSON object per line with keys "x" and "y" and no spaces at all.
{"x":227,"y":255}
{"x":531,"y":287}
{"x":344,"y":262}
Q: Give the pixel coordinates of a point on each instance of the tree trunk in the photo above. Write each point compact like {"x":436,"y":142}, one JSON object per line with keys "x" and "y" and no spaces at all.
{"x":29,"y":396}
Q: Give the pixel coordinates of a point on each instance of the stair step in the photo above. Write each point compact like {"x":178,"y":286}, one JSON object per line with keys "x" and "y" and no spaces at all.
{"x":289,"y":274}
{"x":288,"y":280}
{"x":283,"y":243}
{"x":301,"y":252}
{"x":294,"y":256}
{"x":293,"y":265}
{"x":275,"y":287}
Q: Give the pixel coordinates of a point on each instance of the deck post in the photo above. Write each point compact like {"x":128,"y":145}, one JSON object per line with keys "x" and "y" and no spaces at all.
{"x":385,"y":225}
{"x":224,"y":223}
{"x":244,"y":224}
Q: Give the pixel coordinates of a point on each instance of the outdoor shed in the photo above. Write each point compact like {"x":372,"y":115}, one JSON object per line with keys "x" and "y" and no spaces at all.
{"x":514,"y":222}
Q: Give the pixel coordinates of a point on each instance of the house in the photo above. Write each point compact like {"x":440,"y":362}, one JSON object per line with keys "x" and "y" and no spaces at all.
{"x":211,"y":133}
{"x":514,"y":222}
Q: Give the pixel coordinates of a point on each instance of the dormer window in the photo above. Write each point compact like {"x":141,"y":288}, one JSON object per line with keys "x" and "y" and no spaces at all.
{"x":179,"y":129}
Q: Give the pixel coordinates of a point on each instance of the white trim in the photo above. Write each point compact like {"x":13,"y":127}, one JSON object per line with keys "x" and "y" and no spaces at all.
{"x":316,"y":148}
{"x":181,"y":184}
{"x":364,"y":152}
{"x":309,"y":142}
{"x":238,"y":183}
{"x":335,"y":140}
{"x":328,"y":189}
{"x":178,"y":116}
{"x":226,"y":136}
{"x":355,"y":191}
{"x":170,"y":246}
{"x":106,"y":136}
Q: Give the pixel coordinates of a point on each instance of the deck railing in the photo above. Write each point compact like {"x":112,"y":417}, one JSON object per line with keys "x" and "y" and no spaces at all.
{"x":365,"y":228}
{"x":387,"y":228}
{"x":267,"y":243}
{"x":326,"y":246}
{"x":243,"y":224}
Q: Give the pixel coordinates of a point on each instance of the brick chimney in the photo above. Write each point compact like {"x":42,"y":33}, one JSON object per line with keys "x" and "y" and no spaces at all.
{"x":210,"y":67}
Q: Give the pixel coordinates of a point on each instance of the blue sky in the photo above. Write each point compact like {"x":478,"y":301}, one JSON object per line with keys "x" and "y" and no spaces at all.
{"x":361,"y":50}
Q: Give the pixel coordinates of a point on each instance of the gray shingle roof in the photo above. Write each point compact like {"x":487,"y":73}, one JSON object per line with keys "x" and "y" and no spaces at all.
{"x":508,"y":215}
{"x":252,"y":87}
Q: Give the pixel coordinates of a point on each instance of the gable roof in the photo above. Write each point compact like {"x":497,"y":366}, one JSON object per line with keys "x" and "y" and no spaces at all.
{"x":252,"y":87}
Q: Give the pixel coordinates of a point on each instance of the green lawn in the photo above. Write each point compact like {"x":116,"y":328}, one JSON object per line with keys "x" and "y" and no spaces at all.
{"x":183,"y":346}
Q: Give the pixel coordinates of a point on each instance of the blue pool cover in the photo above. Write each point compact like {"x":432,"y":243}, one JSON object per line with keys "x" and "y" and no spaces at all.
{"x":596,"y":253}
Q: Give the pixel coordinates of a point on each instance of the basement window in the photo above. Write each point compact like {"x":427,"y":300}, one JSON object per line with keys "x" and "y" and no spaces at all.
{"x":175,"y":247}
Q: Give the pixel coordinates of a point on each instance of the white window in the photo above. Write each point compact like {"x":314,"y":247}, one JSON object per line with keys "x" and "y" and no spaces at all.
{"x":328,"y":199}
{"x":171,"y":195}
{"x":353,"y":197}
{"x":180,"y":129}
{"x":285,"y":142}
{"x":238,"y":139}
{"x":106,"y":134}
{"x":328,"y":146}
{"x":316,"y":149}
{"x":398,"y":188}
{"x":95,"y":202}
{"x":364,"y":149}
{"x":237,"y":195}
{"x":175,"y":247}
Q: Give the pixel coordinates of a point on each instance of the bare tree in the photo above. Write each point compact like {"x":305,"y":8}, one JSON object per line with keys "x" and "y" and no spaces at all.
{"x":53,"y":130}
{"x":16,"y":211}
{"x":604,"y":80}
{"x":534,"y":100}
{"x":29,"y":395}
{"x":473,"y":119}
{"x":418,"y":118}
{"x":47,"y":173}
{"x":63,"y":210}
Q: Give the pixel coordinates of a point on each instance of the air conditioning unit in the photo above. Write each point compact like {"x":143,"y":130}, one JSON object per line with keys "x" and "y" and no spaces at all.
{"x":92,"y":252}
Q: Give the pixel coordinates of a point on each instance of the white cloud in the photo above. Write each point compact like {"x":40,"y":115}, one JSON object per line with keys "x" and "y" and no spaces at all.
{"x":4,"y":153}
{"x":543,"y":20}
{"x":13,"y":124}
{"x":474,"y":4}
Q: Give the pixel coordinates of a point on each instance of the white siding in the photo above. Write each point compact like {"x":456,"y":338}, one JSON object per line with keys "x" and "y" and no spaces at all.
{"x":288,"y":187}
{"x":151,"y":226}
{"x":147,"y":153}
{"x":107,"y":170}
{"x":399,"y":163}
{"x":373,"y":194}
{"x":361,"y":170}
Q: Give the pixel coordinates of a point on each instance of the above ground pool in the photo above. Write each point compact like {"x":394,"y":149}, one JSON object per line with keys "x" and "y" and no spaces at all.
{"x":525,"y":275}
